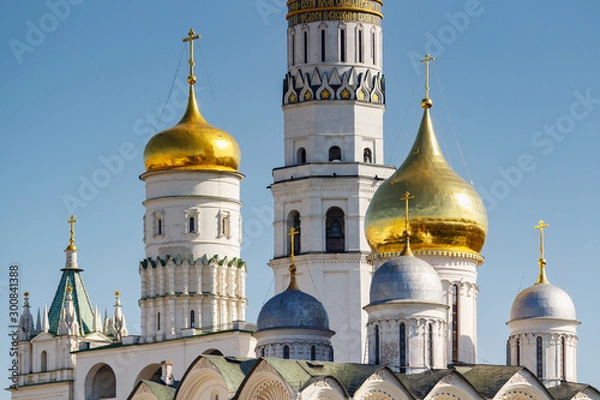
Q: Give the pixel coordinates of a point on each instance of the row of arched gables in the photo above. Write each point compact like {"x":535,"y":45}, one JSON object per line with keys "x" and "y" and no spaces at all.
{"x":222,"y":378}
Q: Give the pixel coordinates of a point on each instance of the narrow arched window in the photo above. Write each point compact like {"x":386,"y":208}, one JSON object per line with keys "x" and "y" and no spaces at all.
{"x":563,"y":359}
{"x":44,"y":361}
{"x":539,"y":357}
{"x":335,"y":154}
{"x":331,"y":355}
{"x":305,"y":46}
{"x":286,"y":352}
{"x":430,"y":345}
{"x":360,"y":47}
{"x":192,"y":319}
{"x":455,"y":323}
{"x":343,"y":45}
{"x":192,"y":224}
{"x":367,"y":155}
{"x":159,"y":226}
{"x":158,"y":321}
{"x":334,"y":229}
{"x":376,"y":344}
{"x":301,"y":156}
{"x":403,"y":352}
{"x":323,"y":45}
{"x":293,"y":220}
{"x":313,"y":352}
{"x":293,"y":47}
{"x":518,"y":351}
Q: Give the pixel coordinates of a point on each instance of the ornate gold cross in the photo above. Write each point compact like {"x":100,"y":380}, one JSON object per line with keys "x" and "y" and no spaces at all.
{"x":542,"y":278}
{"x":72,"y":221}
{"x":292,"y":234}
{"x":427,"y":60}
{"x":190,"y":38}
{"x":406,"y":198}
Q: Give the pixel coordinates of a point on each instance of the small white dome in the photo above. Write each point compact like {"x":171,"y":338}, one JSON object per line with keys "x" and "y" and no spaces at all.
{"x":406,"y":278}
{"x":543,"y":300}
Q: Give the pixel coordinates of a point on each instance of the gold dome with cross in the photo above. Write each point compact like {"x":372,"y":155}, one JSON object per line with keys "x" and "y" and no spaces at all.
{"x":192,"y":144}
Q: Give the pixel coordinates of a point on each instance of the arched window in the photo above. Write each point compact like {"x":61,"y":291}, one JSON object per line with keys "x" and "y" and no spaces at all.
{"x":361,"y":57}
{"x":313,"y":352}
{"x":376,"y":344}
{"x":159,"y":225}
{"x":305,"y":45}
{"x":335,"y":154}
{"x":367,"y":155}
{"x":293,"y":39}
{"x":158,"y":321}
{"x":301,"y":156}
{"x":192,"y":319}
{"x":519,"y":351}
{"x":455,"y":323}
{"x":101,"y":383}
{"x":323,"y":45}
{"x":44,"y":361}
{"x":403,"y":352}
{"x":539,"y":357}
{"x":192,"y":225}
{"x":293,"y":220}
{"x":334,"y":228}
{"x":286,"y":352}
{"x":374,"y":47}
{"x":331,"y":355}
{"x":430,"y":345}
{"x":343,"y":44}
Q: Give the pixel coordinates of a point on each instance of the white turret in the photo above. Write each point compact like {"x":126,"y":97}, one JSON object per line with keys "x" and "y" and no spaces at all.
{"x":26,"y":327}
{"x":119,"y":324}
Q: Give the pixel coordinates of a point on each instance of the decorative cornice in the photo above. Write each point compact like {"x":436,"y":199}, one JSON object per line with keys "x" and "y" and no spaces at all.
{"x":203,"y":261}
{"x":349,"y":86}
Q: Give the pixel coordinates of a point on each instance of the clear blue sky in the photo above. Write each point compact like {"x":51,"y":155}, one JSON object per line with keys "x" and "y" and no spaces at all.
{"x":520,"y":89}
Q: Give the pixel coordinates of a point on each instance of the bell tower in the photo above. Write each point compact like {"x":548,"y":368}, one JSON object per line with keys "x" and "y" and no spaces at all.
{"x":333,"y":105}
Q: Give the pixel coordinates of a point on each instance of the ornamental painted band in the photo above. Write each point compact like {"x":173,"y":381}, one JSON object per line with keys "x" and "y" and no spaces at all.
{"x":362,"y":5}
{"x":347,"y":16}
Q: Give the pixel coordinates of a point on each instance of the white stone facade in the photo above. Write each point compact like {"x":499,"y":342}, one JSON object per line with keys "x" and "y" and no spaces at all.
{"x":333,"y":163}
{"x":302,"y":344}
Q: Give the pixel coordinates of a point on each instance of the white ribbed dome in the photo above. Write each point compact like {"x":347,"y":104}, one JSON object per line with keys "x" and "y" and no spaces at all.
{"x":406,"y":278}
{"x":543,"y":300}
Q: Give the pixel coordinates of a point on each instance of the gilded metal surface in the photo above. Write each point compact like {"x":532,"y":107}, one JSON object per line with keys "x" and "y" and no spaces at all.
{"x":307,"y":11}
{"x":192,"y":144}
{"x":542,"y":261}
{"x":447,"y":214}
{"x":543,"y":301}
{"x":71,"y":246}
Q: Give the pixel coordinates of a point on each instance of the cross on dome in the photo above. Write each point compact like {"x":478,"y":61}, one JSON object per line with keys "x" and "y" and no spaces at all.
{"x":542,"y":261}
{"x":293,"y":285}
{"x":426,"y":102}
{"x":72,"y":222}
{"x":190,"y":38}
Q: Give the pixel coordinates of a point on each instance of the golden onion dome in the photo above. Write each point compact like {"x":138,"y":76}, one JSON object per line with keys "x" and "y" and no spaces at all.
{"x":192,"y":144}
{"x":447,"y":215}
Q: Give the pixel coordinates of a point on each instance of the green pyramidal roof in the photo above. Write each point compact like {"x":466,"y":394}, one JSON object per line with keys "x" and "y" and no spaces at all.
{"x":81,"y":302}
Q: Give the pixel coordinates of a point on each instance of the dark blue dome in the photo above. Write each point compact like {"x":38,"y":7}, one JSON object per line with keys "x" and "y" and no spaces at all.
{"x":293,"y":309}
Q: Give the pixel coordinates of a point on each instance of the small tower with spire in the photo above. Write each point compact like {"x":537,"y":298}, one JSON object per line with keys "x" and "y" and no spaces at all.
{"x":543,"y":328}
{"x":192,"y":276}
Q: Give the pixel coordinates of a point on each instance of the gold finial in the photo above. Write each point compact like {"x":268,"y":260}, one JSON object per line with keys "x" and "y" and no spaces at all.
{"x":26,"y":294}
{"x":426,"y":102}
{"x":69,"y":288}
{"x":190,"y":38}
{"x":292,"y":234}
{"x":117,"y":293}
{"x":406,"y":234}
{"x":71,"y":245}
{"x":542,"y":261}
